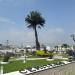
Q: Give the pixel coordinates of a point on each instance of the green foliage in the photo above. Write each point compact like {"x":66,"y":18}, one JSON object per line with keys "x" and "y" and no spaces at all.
{"x":44,"y":54}
{"x":50,"y":55}
{"x":73,"y":37}
{"x":6,"y":58}
{"x":65,"y":45}
{"x":65,"y":55}
{"x":34,"y":19}
{"x":40,"y":52}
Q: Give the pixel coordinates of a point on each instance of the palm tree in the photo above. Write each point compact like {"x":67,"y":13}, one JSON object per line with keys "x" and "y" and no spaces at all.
{"x":34,"y":20}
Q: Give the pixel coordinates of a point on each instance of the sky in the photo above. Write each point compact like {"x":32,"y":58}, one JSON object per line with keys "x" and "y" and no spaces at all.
{"x":59,"y":16}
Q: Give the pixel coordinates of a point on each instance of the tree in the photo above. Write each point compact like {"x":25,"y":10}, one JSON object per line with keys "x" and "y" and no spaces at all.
{"x":65,"y":45}
{"x":73,"y":37}
{"x":70,"y":52}
{"x":7,"y":56}
{"x":34,"y":20}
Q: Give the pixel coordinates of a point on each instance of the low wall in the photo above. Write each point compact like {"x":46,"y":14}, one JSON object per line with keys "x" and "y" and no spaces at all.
{"x":63,"y":70}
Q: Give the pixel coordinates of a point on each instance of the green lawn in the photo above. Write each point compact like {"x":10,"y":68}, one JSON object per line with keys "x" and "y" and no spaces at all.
{"x":17,"y":65}
{"x":65,"y":55}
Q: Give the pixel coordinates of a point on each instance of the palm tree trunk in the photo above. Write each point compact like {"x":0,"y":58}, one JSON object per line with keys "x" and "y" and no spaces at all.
{"x":36,"y":40}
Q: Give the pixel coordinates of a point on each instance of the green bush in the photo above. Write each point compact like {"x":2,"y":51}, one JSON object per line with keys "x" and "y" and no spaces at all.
{"x":40,"y":52}
{"x":6,"y":57}
{"x":50,"y":55}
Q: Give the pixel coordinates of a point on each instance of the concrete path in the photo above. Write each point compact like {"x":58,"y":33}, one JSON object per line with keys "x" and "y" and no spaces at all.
{"x":63,"y":70}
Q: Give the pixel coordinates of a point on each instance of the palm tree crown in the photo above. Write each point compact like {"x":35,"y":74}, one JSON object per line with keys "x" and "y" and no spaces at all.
{"x":33,"y":20}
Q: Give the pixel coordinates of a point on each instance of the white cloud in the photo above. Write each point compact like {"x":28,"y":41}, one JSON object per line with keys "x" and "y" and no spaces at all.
{"x":6,"y":20}
{"x":52,"y":36}
{"x":6,"y":24}
{"x":55,"y":36}
{"x":9,"y":31}
{"x":18,"y":35}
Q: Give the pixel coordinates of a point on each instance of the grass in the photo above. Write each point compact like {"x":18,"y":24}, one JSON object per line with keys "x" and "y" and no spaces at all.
{"x":17,"y":65}
{"x":65,"y":55}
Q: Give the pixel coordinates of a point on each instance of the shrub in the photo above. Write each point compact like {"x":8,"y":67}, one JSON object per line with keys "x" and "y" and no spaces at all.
{"x":51,"y":55}
{"x":40,"y":52}
{"x":6,"y":57}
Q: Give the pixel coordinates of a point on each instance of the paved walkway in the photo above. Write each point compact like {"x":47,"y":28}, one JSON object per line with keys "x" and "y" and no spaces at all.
{"x":63,"y":70}
{"x":13,"y":73}
{"x":31,"y":58}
